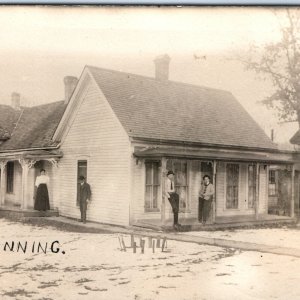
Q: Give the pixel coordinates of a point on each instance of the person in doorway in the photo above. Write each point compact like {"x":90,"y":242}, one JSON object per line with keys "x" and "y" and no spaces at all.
{"x":42,"y":196}
{"x":173,"y":197}
{"x":205,"y":199}
{"x":84,"y":197}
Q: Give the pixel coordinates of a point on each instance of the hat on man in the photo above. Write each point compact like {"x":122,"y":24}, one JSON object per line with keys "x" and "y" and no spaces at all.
{"x":81,"y":177}
{"x":170,"y":172}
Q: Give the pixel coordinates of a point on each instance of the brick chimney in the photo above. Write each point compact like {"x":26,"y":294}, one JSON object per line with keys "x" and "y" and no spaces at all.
{"x":70,"y":85}
{"x":15,"y":101}
{"x":162,"y":67}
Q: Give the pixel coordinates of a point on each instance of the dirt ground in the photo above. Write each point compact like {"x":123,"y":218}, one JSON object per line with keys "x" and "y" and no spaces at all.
{"x":91,"y":266}
{"x":277,"y":237}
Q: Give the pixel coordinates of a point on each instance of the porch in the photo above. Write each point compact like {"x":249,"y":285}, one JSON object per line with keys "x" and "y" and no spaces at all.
{"x":16,"y":213}
{"x":192,"y":224}
{"x":247,"y":192}
{"x":17,"y":181}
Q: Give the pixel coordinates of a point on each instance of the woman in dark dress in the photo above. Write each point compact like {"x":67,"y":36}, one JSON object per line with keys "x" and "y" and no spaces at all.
{"x":42,"y":195}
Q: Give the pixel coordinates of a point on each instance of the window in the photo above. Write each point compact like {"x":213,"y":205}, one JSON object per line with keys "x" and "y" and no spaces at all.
{"x":180,"y":168}
{"x":181,"y":183}
{"x":232,"y":185}
{"x":272,"y":183}
{"x":251,"y":186}
{"x":81,"y":171}
{"x":10,"y":177}
{"x":152,"y":186}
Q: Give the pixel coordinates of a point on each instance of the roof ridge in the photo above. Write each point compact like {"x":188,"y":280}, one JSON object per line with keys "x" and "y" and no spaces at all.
{"x":160,"y":81}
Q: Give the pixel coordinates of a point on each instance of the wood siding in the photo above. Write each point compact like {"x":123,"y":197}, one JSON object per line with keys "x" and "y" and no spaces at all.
{"x":95,"y":135}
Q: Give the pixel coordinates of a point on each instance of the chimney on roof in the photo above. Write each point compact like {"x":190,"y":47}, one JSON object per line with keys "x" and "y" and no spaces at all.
{"x":15,"y":100}
{"x":70,"y":85}
{"x":162,"y":67}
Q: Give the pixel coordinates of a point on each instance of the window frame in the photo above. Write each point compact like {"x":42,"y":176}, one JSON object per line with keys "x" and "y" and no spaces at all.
{"x":253,"y":187}
{"x":275,"y":183}
{"x":152,"y":185}
{"x":239,"y":186}
{"x":10,"y":177}
{"x":185,"y":209}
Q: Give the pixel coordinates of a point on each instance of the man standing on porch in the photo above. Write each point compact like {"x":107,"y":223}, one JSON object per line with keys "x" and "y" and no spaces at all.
{"x":173,"y":197}
{"x":84,"y":197}
{"x":205,"y":199}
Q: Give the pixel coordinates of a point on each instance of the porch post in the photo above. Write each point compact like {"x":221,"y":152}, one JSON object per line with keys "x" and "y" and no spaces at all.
{"x":26,"y":165}
{"x":215,"y":194}
{"x":2,"y":182}
{"x":163,"y":197}
{"x":293,"y":193}
{"x":257,"y":191}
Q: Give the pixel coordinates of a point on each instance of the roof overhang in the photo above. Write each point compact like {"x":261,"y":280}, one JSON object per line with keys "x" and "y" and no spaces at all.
{"x":217,"y":154}
{"x":177,"y":143}
{"x":40,"y":154}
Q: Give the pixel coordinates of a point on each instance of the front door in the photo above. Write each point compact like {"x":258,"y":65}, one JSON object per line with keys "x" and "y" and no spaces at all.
{"x":81,"y":171}
{"x":284,"y":191}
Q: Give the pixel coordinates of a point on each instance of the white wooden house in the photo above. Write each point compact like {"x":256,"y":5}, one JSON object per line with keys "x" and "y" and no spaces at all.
{"x":124,"y":132}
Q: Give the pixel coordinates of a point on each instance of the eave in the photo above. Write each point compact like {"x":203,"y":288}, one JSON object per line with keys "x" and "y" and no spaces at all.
{"x":217,"y":154}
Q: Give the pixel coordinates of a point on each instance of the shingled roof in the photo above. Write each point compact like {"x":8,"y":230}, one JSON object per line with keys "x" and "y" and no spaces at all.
{"x":147,"y":108}
{"x":173,"y":111}
{"x":30,"y":127}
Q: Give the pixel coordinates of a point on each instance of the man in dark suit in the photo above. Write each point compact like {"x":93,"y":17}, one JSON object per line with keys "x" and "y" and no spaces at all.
{"x":84,"y":197}
{"x":173,"y":197}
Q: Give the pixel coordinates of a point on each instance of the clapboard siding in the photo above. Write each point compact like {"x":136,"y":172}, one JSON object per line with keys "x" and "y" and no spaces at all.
{"x":97,"y":136}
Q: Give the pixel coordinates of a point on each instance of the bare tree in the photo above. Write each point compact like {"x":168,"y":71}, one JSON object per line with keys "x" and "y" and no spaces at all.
{"x":280,"y":63}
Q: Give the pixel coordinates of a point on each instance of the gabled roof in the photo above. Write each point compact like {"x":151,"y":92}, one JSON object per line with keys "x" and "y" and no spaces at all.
{"x":173,"y":111}
{"x":30,"y":127}
{"x":147,"y":108}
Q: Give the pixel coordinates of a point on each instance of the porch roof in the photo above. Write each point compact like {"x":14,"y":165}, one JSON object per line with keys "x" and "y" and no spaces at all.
{"x":32,"y":154}
{"x":217,"y":154}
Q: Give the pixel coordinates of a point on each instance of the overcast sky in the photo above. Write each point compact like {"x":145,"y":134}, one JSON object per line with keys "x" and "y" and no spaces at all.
{"x":41,"y":45}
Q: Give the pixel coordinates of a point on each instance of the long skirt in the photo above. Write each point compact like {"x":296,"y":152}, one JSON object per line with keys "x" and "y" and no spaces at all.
{"x":42,"y":198}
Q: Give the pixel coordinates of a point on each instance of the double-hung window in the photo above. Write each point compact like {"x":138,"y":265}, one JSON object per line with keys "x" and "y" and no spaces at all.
{"x":232,"y":186}
{"x":152,"y":186}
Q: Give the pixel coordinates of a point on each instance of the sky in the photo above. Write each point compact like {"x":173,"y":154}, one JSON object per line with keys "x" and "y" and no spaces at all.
{"x":40,"y":45}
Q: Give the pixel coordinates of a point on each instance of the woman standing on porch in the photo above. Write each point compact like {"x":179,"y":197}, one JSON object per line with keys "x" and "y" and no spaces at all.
{"x":42,"y":196}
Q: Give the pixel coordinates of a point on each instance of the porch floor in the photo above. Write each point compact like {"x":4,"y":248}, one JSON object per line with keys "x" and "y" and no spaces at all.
{"x":190,"y":224}
{"x":15,"y":212}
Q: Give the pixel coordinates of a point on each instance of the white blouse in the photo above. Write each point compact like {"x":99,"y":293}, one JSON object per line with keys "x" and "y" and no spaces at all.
{"x":42,"y":179}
